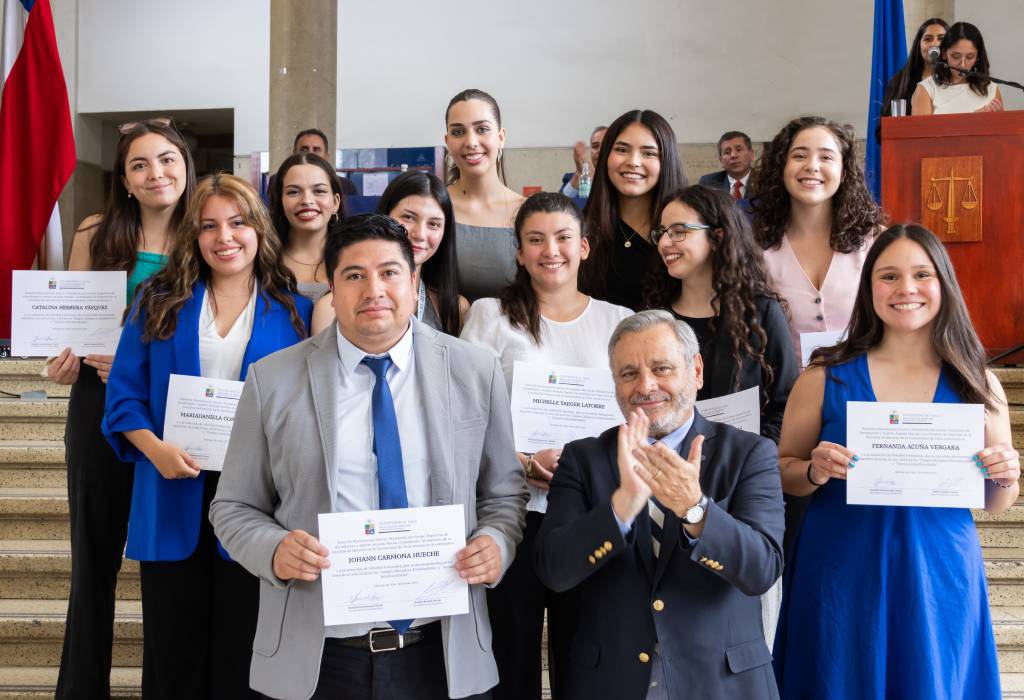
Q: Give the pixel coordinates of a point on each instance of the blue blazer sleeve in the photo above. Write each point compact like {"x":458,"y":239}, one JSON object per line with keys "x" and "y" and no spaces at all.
{"x":128,"y":396}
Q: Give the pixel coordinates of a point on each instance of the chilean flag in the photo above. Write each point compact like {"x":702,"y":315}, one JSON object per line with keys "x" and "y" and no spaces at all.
{"x":37,"y":145}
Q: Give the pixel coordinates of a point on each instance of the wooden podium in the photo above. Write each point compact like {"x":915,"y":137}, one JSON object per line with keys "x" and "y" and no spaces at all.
{"x":962,"y":176}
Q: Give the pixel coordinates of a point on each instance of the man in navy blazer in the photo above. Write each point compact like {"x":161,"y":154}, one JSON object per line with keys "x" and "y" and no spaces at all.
{"x":736,"y":153}
{"x":661,"y":558}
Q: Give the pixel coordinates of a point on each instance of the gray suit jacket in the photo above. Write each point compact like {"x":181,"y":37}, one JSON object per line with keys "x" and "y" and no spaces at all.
{"x":278,"y":476}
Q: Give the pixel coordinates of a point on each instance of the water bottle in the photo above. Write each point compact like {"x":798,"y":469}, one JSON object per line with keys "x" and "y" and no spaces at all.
{"x":584,"y":188}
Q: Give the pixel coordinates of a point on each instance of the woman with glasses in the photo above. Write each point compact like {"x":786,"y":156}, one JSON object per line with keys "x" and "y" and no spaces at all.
{"x":223,"y":301}
{"x":542,"y":317}
{"x":149,"y":191}
{"x":637,"y":166}
{"x":305,"y":202}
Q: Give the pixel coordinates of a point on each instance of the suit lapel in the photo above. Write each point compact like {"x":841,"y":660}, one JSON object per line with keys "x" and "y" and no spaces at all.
{"x":323,"y":364}
{"x":266,"y":332}
{"x":433,"y":382}
{"x":673,"y":525}
{"x":186,"y":335}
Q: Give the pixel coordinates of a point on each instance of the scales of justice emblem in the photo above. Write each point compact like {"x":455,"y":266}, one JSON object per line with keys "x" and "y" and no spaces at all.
{"x":952,"y":197}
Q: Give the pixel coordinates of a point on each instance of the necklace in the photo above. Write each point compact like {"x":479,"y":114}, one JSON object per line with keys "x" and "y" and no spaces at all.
{"x":302,"y":262}
{"x":629,"y":240}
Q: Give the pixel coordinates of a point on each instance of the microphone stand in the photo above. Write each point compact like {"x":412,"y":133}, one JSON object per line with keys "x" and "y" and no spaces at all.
{"x":967,"y":73}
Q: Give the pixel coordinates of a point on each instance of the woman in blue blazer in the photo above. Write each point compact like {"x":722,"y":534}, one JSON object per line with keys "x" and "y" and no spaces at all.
{"x":224,"y":300}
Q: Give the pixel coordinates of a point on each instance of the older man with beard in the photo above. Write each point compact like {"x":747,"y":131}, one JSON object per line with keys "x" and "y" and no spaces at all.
{"x":660,"y":557}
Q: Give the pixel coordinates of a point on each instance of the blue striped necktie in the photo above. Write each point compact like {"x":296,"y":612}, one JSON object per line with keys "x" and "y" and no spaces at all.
{"x":388,"y":448}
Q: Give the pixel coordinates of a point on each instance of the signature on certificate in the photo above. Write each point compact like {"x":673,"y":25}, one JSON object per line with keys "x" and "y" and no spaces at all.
{"x":436,"y":590}
{"x":364,"y":599}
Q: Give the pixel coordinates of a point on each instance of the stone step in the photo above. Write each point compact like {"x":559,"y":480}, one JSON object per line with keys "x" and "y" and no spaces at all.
{"x":1012,"y":379}
{"x":32,"y":632}
{"x":32,"y":420}
{"x":33,"y":514}
{"x":34,"y":682}
{"x":1004,"y":570}
{"x":41,"y":569}
{"x":1008,"y":623}
{"x":32,"y":464}
{"x":17,"y":376}
{"x":1013,"y":684}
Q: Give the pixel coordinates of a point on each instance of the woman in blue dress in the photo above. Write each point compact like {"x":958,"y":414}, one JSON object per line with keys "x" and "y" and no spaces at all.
{"x":887,"y":601}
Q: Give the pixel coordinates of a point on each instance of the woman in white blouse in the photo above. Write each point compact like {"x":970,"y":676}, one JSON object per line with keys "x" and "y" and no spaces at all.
{"x":542,"y":317}
{"x":948,"y":91}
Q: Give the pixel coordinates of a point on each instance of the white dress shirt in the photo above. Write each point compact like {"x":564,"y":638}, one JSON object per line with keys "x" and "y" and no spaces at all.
{"x":221,"y":357}
{"x":355,"y":476}
{"x":742,"y":181}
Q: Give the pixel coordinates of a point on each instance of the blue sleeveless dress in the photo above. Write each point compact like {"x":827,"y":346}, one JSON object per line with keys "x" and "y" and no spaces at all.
{"x":883,"y":601}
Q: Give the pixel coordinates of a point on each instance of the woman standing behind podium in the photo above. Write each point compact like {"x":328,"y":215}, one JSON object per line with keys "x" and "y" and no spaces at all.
{"x":891,"y":601}
{"x":917,"y":68}
{"x":542,"y":317}
{"x":224,"y":301}
{"x":637,"y":167}
{"x":484,"y":206}
{"x":949,"y":91}
{"x":153,"y":179}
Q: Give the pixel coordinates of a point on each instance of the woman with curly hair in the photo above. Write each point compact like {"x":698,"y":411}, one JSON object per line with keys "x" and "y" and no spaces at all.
{"x":223,"y":301}
{"x":713,"y":277}
{"x":815,"y":219}
{"x":637,"y":166}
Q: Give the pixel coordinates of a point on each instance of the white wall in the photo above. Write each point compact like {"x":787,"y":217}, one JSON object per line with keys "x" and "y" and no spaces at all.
{"x":557,"y":68}
{"x":186,"y":54}
{"x":1000,"y":22}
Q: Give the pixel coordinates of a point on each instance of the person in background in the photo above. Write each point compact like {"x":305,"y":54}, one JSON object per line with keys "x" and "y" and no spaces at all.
{"x":736,"y":154}
{"x":580,"y":154}
{"x":153,"y":180}
{"x":543,"y":318}
{"x":637,"y":166}
{"x":484,"y":206}
{"x":949,"y":91}
{"x":918,"y":67}
{"x":315,"y":141}
{"x":420,"y":203}
{"x":891,"y":601}
{"x":224,"y":300}
{"x":305,"y":203}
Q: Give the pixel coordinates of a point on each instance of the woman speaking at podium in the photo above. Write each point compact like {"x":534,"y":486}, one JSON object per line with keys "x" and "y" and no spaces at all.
{"x":948,"y":91}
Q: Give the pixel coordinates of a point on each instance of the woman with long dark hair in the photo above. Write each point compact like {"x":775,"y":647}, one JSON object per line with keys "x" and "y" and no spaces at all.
{"x":815,"y":218}
{"x":305,"y":202}
{"x":420,"y":203}
{"x":224,"y":300}
{"x":713,"y":277}
{"x":918,"y":66}
{"x":542,"y":317}
{"x":891,"y":601}
{"x":637,"y":166}
{"x":949,"y":91}
{"x":152,"y":181}
{"x":484,"y":206}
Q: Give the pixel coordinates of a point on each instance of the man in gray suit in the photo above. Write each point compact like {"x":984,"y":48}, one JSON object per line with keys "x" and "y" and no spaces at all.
{"x":304,"y":443}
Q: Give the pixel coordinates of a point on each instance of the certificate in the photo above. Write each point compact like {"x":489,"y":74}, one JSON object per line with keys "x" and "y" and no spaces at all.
{"x":53,"y":310}
{"x":556,"y":404}
{"x":740,"y":410}
{"x":199,"y":416}
{"x":394,"y":564}
{"x":809,"y":342}
{"x":915,"y":454}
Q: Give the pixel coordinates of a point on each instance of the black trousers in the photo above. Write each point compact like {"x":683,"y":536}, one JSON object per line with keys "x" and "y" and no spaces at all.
{"x":415,"y":672}
{"x":199,"y":620}
{"x":516,"y":607}
{"x":99,"y":498}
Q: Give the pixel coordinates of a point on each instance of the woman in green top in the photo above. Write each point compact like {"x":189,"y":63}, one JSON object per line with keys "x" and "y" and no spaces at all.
{"x":153,"y":180}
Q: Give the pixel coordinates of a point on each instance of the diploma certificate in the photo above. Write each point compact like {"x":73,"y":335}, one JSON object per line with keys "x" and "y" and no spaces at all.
{"x":199,"y":416}
{"x":740,"y":410}
{"x":393,"y":564}
{"x":53,"y":310}
{"x":556,"y":404}
{"x":915,"y":454}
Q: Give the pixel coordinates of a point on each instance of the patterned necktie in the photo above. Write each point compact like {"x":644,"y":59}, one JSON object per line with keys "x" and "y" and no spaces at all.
{"x":737,"y":190}
{"x":388,"y":448}
{"x":657,"y":514}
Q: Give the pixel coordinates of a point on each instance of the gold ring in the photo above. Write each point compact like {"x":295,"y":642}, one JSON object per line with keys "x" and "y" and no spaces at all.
{"x":529,"y":468}
{"x":655,"y":477}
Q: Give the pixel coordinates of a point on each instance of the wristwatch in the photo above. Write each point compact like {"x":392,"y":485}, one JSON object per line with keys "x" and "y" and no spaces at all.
{"x":696,"y":513}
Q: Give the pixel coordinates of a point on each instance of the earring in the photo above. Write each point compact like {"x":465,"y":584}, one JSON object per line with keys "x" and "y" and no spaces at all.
{"x":129,"y":195}
{"x":334,"y":218}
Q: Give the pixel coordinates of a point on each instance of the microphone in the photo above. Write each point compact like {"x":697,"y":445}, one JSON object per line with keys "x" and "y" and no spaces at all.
{"x":933,"y":55}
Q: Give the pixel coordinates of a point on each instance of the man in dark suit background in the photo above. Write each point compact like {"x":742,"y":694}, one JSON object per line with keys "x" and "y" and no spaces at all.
{"x":661,"y":558}
{"x":736,"y":154}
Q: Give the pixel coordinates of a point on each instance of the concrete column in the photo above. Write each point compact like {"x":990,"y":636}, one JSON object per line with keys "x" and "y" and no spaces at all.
{"x":303,"y":72}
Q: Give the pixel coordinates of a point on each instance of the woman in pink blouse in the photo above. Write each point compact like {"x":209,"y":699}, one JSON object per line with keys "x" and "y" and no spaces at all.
{"x":815,"y":219}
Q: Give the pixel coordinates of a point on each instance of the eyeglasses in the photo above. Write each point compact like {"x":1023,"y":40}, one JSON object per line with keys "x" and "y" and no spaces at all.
{"x":163,"y":122}
{"x":676,"y":232}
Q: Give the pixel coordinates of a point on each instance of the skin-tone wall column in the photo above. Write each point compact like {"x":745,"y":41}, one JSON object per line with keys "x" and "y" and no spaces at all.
{"x":303,"y":72}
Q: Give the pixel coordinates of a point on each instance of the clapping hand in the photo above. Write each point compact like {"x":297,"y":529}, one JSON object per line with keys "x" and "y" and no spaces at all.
{"x":674,"y":481}
{"x":631,"y":496}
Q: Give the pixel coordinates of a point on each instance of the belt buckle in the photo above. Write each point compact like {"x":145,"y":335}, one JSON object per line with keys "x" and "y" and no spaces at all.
{"x":374,"y":633}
